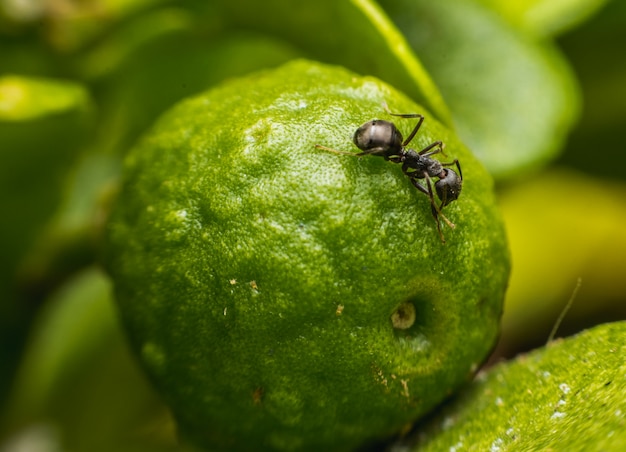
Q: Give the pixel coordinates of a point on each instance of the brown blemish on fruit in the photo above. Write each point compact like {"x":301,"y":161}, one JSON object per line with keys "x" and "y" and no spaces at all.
{"x":257,"y":396}
{"x":379,"y":375}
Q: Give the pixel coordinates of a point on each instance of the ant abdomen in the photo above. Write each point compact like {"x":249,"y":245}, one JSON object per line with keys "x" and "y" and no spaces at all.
{"x":378,"y":137}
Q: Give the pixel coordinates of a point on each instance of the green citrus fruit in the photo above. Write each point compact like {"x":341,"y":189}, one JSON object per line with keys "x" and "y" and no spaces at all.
{"x":285,"y":297}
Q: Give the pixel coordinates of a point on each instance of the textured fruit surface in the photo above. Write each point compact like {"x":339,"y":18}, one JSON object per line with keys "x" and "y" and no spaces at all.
{"x":268,"y":286}
{"x":566,"y":396}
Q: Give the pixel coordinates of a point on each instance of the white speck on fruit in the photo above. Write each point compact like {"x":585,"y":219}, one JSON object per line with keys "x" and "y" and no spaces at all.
{"x":496,"y":445}
{"x":458,"y":446}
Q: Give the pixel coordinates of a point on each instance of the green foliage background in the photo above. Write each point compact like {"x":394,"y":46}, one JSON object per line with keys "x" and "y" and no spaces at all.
{"x":535,"y":88}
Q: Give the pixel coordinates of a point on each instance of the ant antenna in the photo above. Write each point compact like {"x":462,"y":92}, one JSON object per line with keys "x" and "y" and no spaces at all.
{"x":335,"y":151}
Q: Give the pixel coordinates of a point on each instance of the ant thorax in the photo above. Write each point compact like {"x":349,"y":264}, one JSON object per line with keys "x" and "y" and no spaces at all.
{"x":413,"y":160}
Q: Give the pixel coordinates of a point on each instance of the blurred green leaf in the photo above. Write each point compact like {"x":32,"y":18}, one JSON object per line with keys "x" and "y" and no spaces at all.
{"x":78,"y":378}
{"x":43,"y":123}
{"x":544,"y":18}
{"x":596,"y":51}
{"x":75,"y":25}
{"x":513,"y":101}
{"x":26,"y":56}
{"x":127,"y":40}
{"x":555,"y":240}
{"x":355,"y":34}
{"x":75,"y":321}
{"x":69,"y":240}
{"x":157,"y":74}
{"x":568,"y":396}
{"x":29,"y":98}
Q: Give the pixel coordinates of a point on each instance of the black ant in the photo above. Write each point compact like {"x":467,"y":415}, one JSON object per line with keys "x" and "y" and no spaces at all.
{"x":379,"y":137}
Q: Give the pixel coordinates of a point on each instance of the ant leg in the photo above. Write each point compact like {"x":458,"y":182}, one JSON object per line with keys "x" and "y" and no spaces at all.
{"x":439,"y":145}
{"x":433,"y":208}
{"x":408,"y":116}
{"x":436,"y":211}
{"x":415,"y":129}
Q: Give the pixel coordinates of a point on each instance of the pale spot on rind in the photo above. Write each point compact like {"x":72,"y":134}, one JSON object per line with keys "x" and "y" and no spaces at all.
{"x":404,"y":316}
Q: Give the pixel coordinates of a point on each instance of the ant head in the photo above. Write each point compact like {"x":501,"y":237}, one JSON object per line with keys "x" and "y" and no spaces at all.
{"x":378,"y":137}
{"x":449,"y":187}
